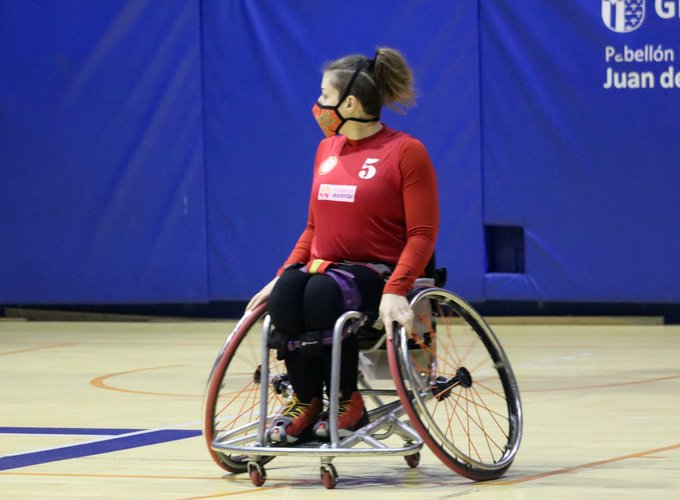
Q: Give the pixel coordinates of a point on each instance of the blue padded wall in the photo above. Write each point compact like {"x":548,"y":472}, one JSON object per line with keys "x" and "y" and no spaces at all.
{"x":102,"y":195}
{"x":591,"y":173}
{"x":263,"y":62}
{"x":162,"y":151}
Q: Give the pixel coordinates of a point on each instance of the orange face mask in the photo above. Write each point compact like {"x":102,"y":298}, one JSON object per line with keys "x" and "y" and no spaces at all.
{"x":329,"y":118}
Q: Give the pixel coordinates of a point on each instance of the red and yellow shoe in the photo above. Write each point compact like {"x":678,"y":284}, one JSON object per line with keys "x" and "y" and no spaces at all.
{"x":294,"y":420}
{"x":352,"y":415}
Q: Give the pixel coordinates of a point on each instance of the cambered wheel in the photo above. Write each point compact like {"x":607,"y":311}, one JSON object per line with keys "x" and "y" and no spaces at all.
{"x":232,"y":398}
{"x":457,"y":386}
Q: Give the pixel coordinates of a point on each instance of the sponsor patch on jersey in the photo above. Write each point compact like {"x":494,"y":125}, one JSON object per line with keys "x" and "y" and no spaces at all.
{"x":328,"y":164}
{"x":337,"y":192}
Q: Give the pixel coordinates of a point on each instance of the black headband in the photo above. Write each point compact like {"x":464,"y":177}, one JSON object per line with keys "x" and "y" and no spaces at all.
{"x":371,"y":62}
{"x":365,"y":64}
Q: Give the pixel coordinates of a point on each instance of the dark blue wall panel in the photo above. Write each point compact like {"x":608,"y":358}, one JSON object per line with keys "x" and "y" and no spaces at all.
{"x":102,"y":195}
{"x":590,"y":173}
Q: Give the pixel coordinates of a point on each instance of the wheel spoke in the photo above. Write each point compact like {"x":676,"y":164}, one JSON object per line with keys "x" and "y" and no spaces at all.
{"x":233,"y":400}
{"x":494,"y":415}
{"x":462,"y":402}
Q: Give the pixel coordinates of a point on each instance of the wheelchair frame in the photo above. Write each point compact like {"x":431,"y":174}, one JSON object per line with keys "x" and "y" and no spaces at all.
{"x":415,"y":389}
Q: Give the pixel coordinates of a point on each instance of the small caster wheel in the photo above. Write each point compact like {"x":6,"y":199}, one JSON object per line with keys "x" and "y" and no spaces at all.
{"x":412,"y":460}
{"x":256,"y":473}
{"x":329,"y":476}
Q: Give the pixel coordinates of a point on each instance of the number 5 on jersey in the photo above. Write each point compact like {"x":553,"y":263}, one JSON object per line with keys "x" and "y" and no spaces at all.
{"x":368,"y":168}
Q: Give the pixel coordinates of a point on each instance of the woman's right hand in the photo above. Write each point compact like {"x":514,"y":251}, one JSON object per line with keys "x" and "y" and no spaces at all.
{"x":395,"y":308}
{"x":262,"y":295}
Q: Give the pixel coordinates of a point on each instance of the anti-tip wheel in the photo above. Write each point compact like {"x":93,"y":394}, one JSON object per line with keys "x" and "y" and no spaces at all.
{"x":329,"y":476}
{"x":257,"y":474}
{"x":412,"y":460}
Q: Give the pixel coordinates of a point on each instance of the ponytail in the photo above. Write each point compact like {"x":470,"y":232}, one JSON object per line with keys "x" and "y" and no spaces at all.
{"x":394,"y":79}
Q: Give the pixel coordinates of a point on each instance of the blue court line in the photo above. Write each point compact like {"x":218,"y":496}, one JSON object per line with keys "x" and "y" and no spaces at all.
{"x":117,"y":443}
{"x":66,"y":431}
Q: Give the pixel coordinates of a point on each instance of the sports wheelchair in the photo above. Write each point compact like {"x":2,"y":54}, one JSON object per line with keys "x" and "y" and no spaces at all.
{"x":447,"y":384}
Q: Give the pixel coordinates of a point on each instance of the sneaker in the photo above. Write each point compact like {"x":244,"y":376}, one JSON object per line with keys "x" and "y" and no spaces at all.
{"x":352,"y":415}
{"x":294,"y":420}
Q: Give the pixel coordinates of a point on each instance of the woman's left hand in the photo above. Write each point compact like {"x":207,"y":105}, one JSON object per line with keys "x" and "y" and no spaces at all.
{"x":395,"y":308}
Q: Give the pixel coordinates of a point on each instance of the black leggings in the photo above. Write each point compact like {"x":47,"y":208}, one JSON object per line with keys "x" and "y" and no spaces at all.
{"x":302,"y":302}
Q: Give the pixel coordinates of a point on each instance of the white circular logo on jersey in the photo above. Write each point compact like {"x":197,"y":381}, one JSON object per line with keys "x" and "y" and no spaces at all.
{"x":328,"y":164}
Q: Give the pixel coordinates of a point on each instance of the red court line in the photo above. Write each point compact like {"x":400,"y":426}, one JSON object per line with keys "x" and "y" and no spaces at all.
{"x":237,"y":479}
{"x":247,"y":492}
{"x":604,"y":386}
{"x":244,"y":478}
{"x":577,"y":468}
{"x":99,"y":383}
{"x":37,"y":348}
{"x":113,"y":476}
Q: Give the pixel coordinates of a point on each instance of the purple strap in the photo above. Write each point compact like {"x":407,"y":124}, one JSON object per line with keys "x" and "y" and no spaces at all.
{"x":327,"y":335}
{"x":351,"y":299}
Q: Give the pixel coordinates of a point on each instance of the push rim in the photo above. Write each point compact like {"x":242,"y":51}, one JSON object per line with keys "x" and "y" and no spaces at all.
{"x":457,"y":386}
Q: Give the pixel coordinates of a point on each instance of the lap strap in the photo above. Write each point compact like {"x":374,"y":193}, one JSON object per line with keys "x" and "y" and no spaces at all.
{"x":324,"y":338}
{"x":351,"y":297}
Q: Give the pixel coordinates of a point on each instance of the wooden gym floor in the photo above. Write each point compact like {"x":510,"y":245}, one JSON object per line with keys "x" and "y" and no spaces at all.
{"x":112,"y":410}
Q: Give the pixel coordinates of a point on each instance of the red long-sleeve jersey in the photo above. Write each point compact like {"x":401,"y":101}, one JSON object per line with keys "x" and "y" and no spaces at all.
{"x":372,"y":200}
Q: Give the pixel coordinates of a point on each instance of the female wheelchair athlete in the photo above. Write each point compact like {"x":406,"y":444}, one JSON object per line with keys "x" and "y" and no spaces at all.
{"x":447,"y":384}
